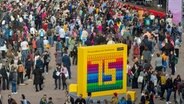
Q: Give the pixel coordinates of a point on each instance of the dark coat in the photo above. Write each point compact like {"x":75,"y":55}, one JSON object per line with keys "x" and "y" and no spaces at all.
{"x":4,"y":73}
{"x":66,"y":61}
{"x":39,"y":64}
{"x":29,"y":64}
{"x":38,"y":78}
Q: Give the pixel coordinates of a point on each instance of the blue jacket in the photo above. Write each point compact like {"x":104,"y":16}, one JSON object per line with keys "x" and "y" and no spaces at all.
{"x":66,"y":60}
{"x":122,"y":102}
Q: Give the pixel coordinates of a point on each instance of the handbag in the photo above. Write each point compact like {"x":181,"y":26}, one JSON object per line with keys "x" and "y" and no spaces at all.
{"x":140,"y":79}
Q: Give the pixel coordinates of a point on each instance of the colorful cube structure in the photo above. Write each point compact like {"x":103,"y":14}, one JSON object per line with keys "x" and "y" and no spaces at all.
{"x":101,"y":70}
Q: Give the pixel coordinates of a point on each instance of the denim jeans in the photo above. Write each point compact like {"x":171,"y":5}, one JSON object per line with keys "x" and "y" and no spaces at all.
{"x":128,"y":81}
{"x":83,"y":41}
{"x":51,"y":40}
{"x":69,"y":71}
{"x":14,"y":86}
{"x":24,"y":56}
{"x":169,"y":91}
{"x":67,"y":41}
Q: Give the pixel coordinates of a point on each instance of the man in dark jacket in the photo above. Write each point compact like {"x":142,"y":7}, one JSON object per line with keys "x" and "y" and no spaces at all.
{"x":5,"y":78}
{"x":172,"y":62}
{"x":169,"y":88}
{"x":46,"y":60}
{"x":57,"y":77}
{"x":39,"y":64}
{"x":40,"y":46}
{"x":67,"y":62}
{"x":28,"y":66}
{"x":38,"y":78}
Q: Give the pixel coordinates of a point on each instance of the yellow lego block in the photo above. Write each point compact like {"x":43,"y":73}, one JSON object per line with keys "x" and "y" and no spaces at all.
{"x":131,"y":94}
{"x":101,"y":70}
{"x":73,"y":88}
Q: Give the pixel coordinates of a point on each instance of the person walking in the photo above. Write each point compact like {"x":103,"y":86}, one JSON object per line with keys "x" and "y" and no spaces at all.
{"x":25,"y":49}
{"x":38,"y":78}
{"x":43,"y":100}
{"x":59,"y":52}
{"x":46,"y":60}
{"x":135,"y":70}
{"x":39,"y":64}
{"x":13,"y":79}
{"x":64,"y":76}
{"x":74,"y":52}
{"x":158,"y":63}
{"x":164,"y":61}
{"x":39,"y":45}
{"x":5,"y":79}
{"x":176,"y":82}
{"x":20,"y":71}
{"x":67,"y":62}
{"x":172,"y":62}
{"x":57,"y":77}
{"x":162,"y":85}
{"x":28,"y":67}
{"x":169,"y":87}
{"x":177,"y":46}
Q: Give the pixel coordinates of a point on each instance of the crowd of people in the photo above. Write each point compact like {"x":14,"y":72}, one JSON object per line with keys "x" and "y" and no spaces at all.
{"x":29,"y":29}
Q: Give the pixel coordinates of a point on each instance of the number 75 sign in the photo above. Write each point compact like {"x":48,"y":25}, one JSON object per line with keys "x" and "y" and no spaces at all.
{"x":101,"y":70}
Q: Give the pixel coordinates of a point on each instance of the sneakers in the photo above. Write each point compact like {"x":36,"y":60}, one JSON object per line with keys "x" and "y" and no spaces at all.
{"x":168,"y":102}
{"x":14,"y":93}
{"x":22,"y":84}
{"x":30,"y":80}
